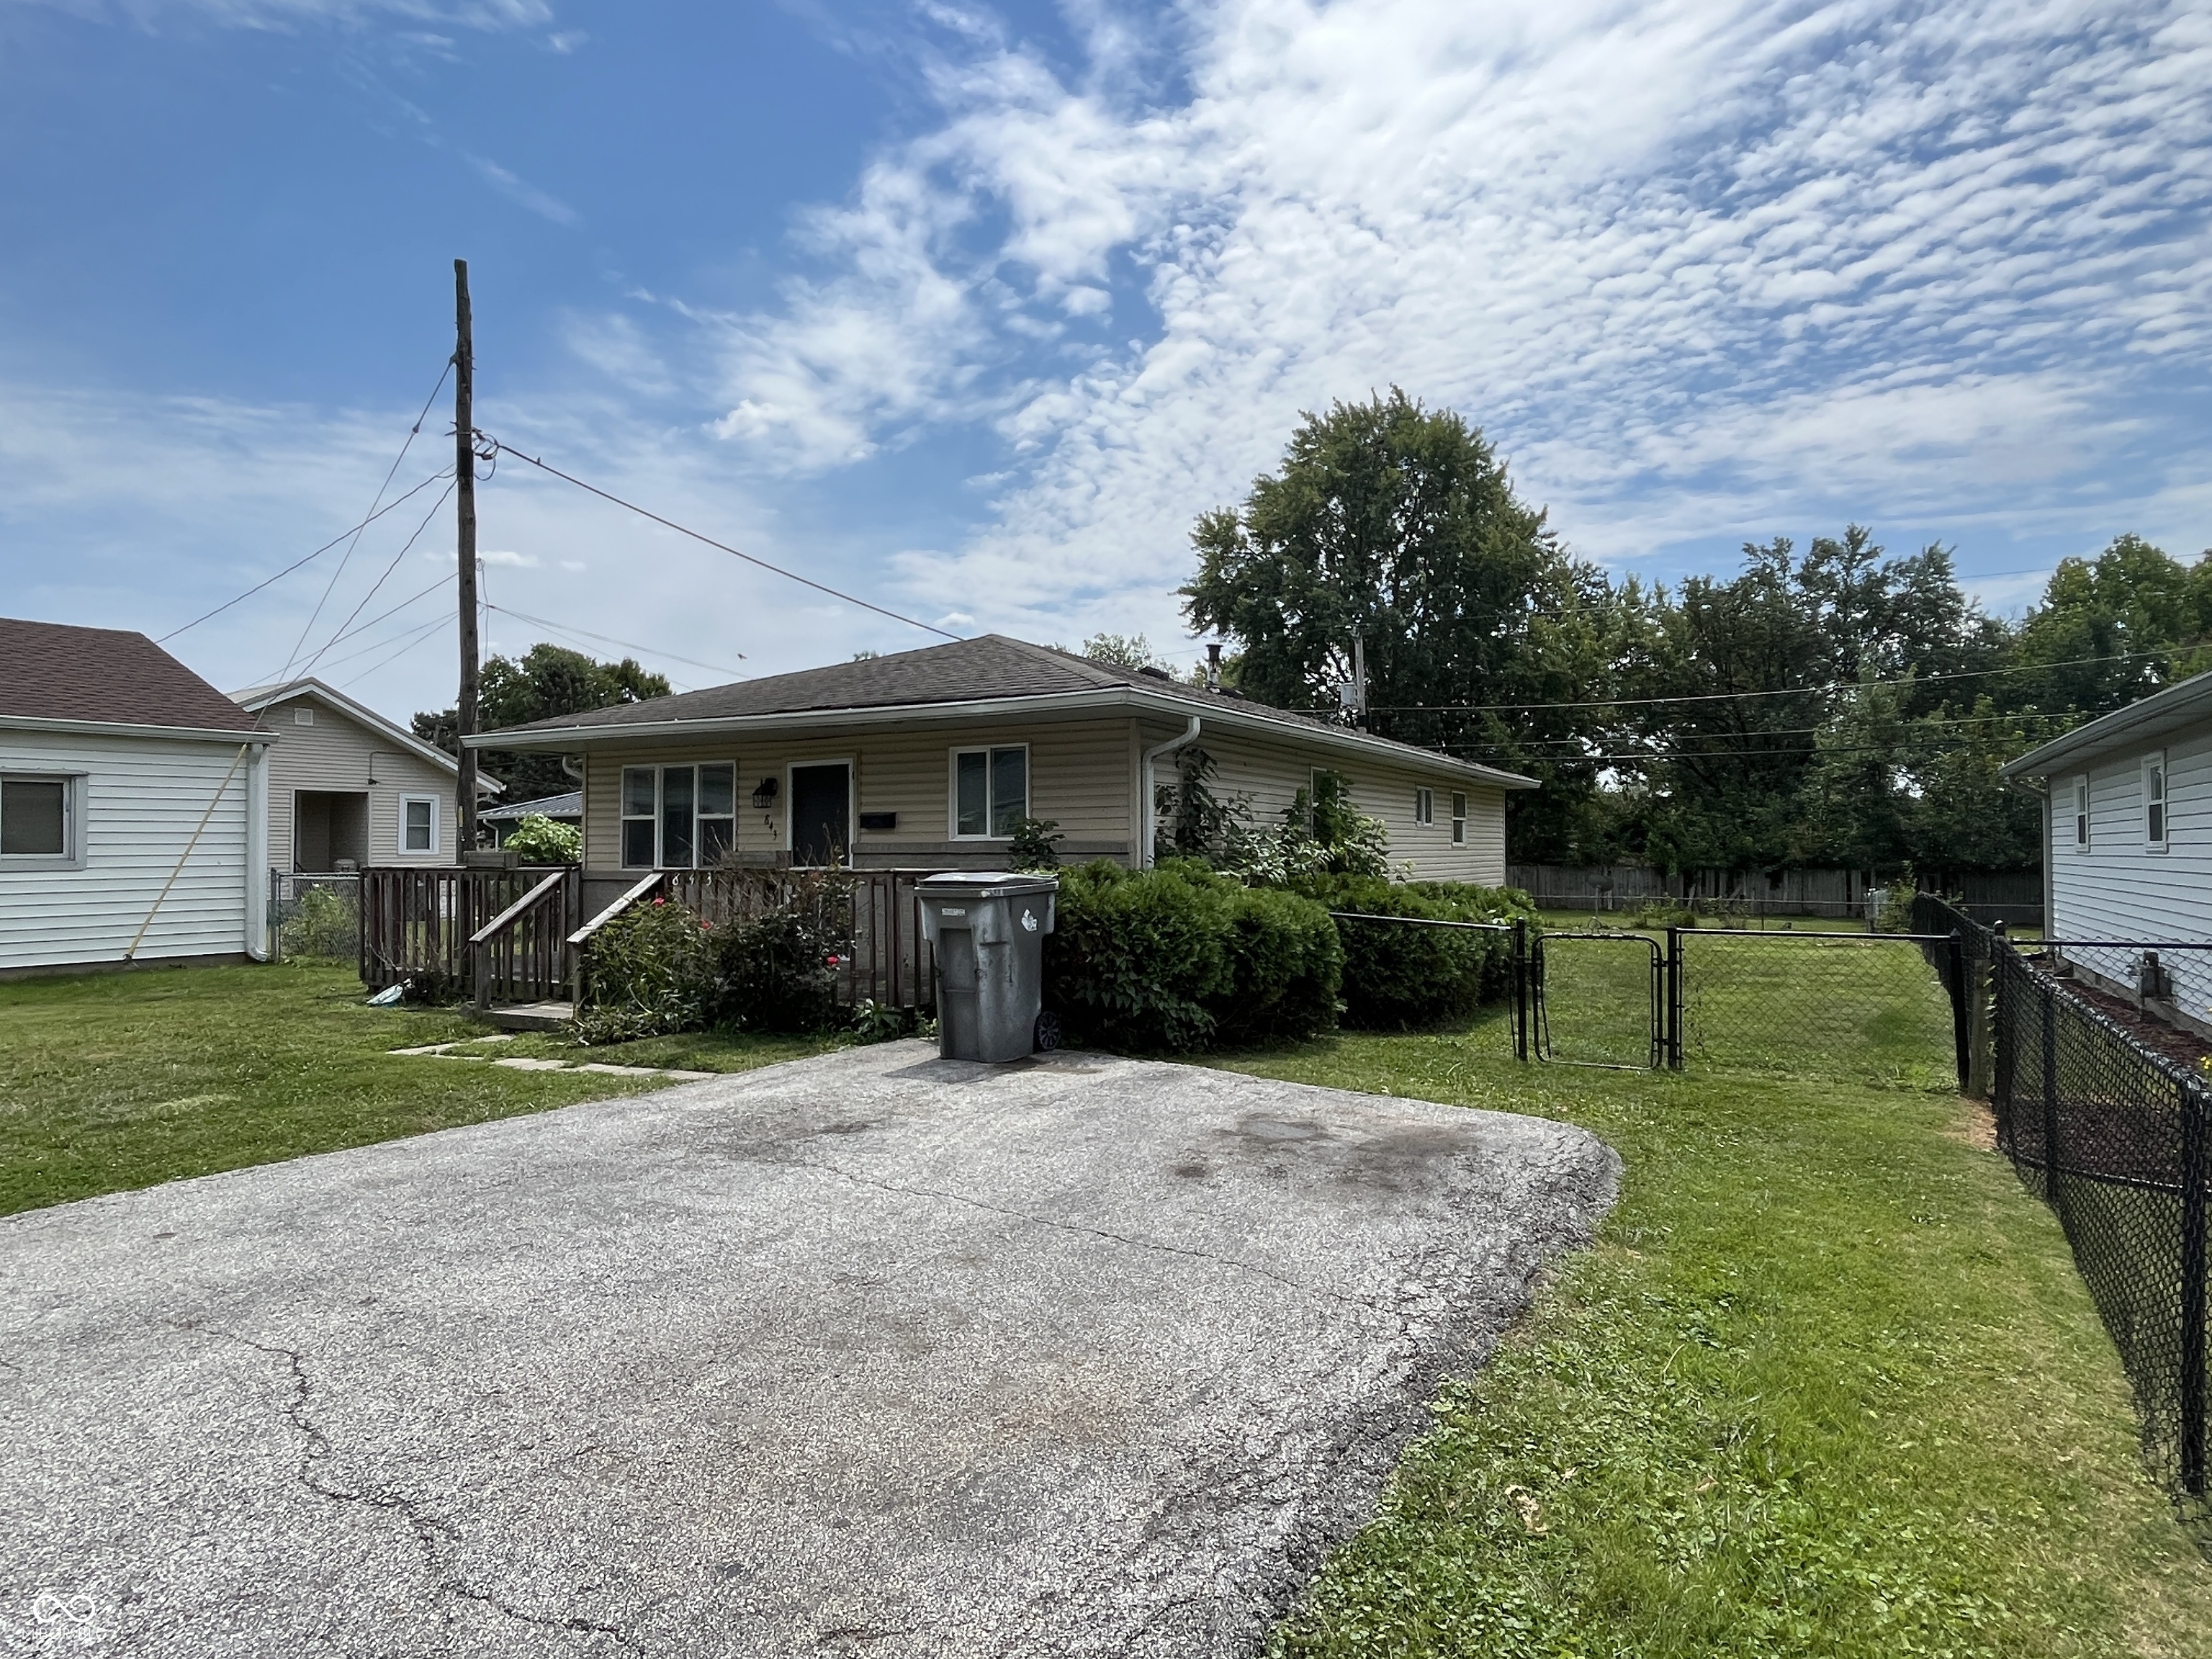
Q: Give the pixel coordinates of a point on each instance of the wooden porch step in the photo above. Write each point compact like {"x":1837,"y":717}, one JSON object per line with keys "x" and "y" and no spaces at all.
{"x":532,"y":1016}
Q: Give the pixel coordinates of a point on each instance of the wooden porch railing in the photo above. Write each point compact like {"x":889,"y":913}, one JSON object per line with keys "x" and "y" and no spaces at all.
{"x":521,"y":955}
{"x":890,"y":960}
{"x":418,"y":924}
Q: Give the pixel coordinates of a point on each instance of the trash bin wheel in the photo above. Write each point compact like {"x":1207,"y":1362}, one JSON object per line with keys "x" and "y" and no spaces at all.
{"x":1047,"y":1031}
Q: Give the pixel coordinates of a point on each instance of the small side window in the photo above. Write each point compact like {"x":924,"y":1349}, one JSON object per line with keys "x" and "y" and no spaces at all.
{"x":2153,"y":796}
{"x":419,"y":824}
{"x":1424,"y":807}
{"x":37,"y":820}
{"x":1459,"y":819}
{"x":638,"y":817}
{"x":2081,"y":815}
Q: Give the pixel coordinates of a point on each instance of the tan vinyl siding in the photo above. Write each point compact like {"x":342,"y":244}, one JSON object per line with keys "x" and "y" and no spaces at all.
{"x":1268,"y":775}
{"x":139,"y":801}
{"x":335,"y":754}
{"x":1079,"y":775}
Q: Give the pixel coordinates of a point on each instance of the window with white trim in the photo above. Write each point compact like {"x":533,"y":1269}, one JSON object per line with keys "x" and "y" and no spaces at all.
{"x":1424,"y":807}
{"x":678,"y":817}
{"x":38,"y":821}
{"x":990,"y":792}
{"x":2081,"y":814}
{"x":1459,"y":819}
{"x":2153,"y":799}
{"x":418,"y":824}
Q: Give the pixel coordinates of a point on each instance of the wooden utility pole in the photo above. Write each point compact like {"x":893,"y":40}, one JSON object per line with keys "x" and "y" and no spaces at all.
{"x":465,"y":497}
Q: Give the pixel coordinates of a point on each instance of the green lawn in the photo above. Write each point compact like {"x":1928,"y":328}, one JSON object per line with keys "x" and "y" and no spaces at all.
{"x":110,"y":1081}
{"x":1829,"y":1384}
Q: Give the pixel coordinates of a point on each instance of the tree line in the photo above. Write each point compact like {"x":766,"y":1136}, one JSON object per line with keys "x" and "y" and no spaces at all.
{"x":1836,"y":706}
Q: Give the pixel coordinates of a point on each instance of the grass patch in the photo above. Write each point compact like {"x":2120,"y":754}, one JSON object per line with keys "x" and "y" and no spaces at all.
{"x":1828,"y":1384}
{"x":110,"y":1081}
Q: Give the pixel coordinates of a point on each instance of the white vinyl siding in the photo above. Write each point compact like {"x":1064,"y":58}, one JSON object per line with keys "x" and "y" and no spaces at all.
{"x":336,"y":754}
{"x":2120,"y":887}
{"x":137,"y":802}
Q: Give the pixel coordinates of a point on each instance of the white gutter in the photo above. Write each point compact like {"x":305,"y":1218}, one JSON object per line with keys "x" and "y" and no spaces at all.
{"x":1104,"y":699}
{"x":127,"y":729}
{"x":1149,"y":819}
{"x":257,"y":853}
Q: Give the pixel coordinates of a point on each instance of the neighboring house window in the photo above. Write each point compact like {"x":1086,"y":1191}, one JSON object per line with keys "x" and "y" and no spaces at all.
{"x":1459,"y":820}
{"x":678,"y":817}
{"x":419,"y":824}
{"x":2154,"y":786}
{"x":2081,"y":814}
{"x":38,"y":823}
{"x":1424,"y":807}
{"x":990,"y":792}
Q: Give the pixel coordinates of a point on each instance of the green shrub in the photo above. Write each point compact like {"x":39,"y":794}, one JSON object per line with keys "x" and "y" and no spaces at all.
{"x":650,"y":972}
{"x":326,"y":925}
{"x":1397,"y":977}
{"x":778,"y":971}
{"x":540,"y":840}
{"x":1034,"y":844}
{"x":1176,"y":957}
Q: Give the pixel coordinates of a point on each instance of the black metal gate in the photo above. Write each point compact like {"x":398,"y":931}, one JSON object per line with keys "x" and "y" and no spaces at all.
{"x":1610,"y":988}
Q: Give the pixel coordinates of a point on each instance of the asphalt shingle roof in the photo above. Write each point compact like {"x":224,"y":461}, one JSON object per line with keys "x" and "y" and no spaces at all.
{"x":52,"y":670}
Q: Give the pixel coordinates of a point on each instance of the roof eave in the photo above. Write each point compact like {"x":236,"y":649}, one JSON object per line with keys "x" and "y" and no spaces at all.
{"x":255,"y":699}
{"x":134,"y":729}
{"x":1100,"y":699}
{"x":2177,"y":705}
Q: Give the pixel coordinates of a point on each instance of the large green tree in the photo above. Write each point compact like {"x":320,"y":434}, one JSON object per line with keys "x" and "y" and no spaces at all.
{"x":548,"y":680}
{"x":1400,"y":524}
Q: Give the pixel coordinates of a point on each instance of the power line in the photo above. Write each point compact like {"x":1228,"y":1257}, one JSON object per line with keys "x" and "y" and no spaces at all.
{"x":391,"y":506}
{"x":627,"y":645}
{"x":425,"y":632}
{"x":682,"y":529}
{"x":1722,"y":697}
{"x":391,"y":472}
{"x":1808,"y":730}
{"x":407,"y":603}
{"x":378,"y":585}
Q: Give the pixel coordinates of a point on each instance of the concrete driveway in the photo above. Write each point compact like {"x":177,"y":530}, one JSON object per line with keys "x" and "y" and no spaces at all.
{"x":871,"y":1353}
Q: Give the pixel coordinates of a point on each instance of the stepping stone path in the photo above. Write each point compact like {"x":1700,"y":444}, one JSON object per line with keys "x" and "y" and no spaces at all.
{"x":525,"y":1063}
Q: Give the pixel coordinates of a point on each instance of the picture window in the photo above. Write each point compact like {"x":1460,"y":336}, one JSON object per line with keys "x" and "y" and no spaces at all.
{"x":678,"y":817}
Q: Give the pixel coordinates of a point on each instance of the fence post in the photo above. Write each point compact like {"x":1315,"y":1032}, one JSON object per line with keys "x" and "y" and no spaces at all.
{"x":2050,"y":1100}
{"x":1521,"y":988}
{"x":2192,"y":1287}
{"x":1673,"y":999}
{"x":1961,"y":1039}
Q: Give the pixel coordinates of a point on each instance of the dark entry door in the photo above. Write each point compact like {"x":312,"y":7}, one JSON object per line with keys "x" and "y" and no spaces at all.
{"x":821,"y":813}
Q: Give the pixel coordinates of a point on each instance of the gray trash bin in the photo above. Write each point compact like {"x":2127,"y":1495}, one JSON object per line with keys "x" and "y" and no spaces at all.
{"x":988,"y":932}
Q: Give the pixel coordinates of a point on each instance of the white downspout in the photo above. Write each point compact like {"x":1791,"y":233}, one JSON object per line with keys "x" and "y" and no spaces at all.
{"x":1149,"y":819}
{"x":257,"y":853}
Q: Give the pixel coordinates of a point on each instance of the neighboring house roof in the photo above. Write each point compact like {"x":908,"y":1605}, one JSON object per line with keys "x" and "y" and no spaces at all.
{"x":991,"y":675}
{"x":570,"y":806}
{"x":256,"y":699}
{"x":2185,"y":702}
{"x":52,"y":673}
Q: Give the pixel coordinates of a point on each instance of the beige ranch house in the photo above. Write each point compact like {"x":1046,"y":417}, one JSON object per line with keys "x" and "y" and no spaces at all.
{"x":926,"y":759}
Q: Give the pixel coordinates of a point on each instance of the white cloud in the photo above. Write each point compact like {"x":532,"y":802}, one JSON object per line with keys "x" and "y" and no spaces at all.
{"x":523,"y":193}
{"x":1695,"y":266}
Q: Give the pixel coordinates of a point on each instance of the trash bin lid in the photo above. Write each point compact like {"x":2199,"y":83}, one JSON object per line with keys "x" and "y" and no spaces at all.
{"x":986,"y":884}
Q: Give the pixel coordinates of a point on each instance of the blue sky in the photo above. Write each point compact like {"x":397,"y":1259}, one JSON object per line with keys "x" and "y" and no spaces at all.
{"x":973,"y":309}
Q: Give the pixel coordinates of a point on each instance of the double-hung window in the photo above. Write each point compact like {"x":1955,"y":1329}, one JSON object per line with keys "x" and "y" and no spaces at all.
{"x":2154,"y":798}
{"x":990,"y":792}
{"x":1424,"y":807}
{"x":678,"y":817}
{"x":38,"y":823}
{"x":2081,"y":815}
{"x":1459,"y":819}
{"x":419,"y":824}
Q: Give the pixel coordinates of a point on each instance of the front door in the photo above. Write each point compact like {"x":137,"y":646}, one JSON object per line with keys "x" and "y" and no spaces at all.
{"x":821,"y":813}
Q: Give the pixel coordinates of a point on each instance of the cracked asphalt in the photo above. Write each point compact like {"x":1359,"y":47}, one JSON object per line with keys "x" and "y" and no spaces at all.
{"x":871,"y":1353}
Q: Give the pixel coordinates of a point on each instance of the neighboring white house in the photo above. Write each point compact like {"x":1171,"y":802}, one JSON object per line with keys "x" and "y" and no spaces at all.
{"x":347,"y":787}
{"x":2127,"y":848}
{"x":133,"y":806}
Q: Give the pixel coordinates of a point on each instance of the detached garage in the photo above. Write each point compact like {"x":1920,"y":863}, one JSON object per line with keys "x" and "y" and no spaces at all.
{"x":133,"y":806}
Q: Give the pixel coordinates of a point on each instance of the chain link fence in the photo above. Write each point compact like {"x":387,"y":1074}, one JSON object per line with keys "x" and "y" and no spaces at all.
{"x":314,"y":918}
{"x":2109,"y":1130}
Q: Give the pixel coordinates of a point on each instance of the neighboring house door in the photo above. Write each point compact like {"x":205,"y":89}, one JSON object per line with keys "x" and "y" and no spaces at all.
{"x":821,"y":813}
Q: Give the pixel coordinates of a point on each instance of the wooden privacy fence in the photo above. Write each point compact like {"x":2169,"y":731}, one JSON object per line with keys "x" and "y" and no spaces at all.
{"x":510,"y":936}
